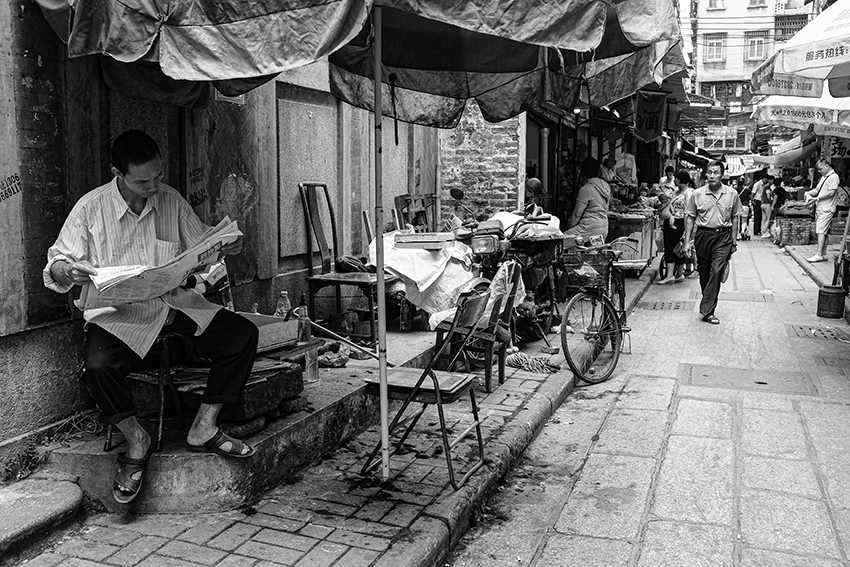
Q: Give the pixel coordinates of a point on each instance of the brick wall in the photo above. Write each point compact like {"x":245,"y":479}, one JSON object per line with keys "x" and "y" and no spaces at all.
{"x":483,"y":160}
{"x":39,"y":92}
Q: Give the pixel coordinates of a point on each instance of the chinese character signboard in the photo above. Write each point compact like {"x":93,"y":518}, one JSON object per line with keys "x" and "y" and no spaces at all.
{"x":835,"y":147}
{"x":649,"y":115}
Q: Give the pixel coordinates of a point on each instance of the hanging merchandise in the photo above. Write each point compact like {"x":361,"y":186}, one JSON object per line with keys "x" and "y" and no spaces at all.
{"x":649,"y":115}
{"x":627,"y":169}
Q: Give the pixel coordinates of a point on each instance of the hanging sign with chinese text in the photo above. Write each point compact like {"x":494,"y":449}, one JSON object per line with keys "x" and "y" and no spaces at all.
{"x":649,"y":115}
{"x":835,"y":147}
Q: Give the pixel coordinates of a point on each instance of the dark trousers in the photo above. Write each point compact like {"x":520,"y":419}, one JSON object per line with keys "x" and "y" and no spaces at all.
{"x":230,"y":342}
{"x":713,"y":249}
{"x":756,"y":217}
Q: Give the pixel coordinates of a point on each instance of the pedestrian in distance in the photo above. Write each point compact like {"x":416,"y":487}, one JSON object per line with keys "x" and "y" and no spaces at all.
{"x":779,"y":195}
{"x":745,"y":194}
{"x":766,"y":206}
{"x":823,"y":196}
{"x":758,"y":192}
{"x":712,"y":213}
{"x":136,"y":219}
{"x":673,"y":229}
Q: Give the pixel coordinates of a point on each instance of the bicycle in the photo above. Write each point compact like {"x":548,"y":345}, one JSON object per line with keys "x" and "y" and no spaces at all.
{"x":594,"y":323}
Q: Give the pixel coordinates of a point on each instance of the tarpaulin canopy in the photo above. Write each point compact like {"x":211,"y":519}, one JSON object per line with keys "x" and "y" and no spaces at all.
{"x":819,"y":51}
{"x":789,"y":157}
{"x":436,"y":55}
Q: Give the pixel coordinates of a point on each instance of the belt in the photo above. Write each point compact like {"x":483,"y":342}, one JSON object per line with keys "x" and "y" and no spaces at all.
{"x":718,"y":229}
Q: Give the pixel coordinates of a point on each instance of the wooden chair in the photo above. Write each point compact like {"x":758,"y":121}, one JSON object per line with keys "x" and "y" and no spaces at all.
{"x":317,"y":233}
{"x":494,"y":336}
{"x":411,"y":386}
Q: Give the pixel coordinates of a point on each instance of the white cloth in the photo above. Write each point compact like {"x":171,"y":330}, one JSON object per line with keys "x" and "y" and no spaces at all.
{"x":102,"y":229}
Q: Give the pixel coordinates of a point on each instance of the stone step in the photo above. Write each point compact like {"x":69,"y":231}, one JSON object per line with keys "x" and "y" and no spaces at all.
{"x":338,"y":409}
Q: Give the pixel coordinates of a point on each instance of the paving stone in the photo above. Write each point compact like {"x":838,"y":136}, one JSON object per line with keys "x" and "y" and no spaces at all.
{"x":773,"y":434}
{"x":285,"y":539}
{"x":402,"y":515}
{"x":696,"y":481}
{"x":703,"y":418}
{"x":164,"y":525}
{"x":669,"y":544}
{"x":237,"y":561}
{"x":314,"y":531}
{"x":357,"y":525}
{"x":584,"y":551}
{"x":786,"y":522}
{"x":274,"y":522}
{"x":766,"y":401}
{"x":796,"y":477}
{"x":761,"y":558}
{"x":191,"y":552}
{"x":827,"y":425}
{"x":267,"y":552}
{"x":425,"y":541}
{"x":206,"y":530}
{"x":355,"y":539}
{"x":163,"y":561}
{"x":45,"y":560}
{"x":323,"y":555}
{"x":93,"y":550}
{"x":356,"y":557}
{"x":138,"y":550}
{"x":632,"y":432}
{"x":609,"y":497}
{"x":109,"y":535}
{"x":700,"y":392}
{"x":234,"y":536}
{"x":647,"y":392}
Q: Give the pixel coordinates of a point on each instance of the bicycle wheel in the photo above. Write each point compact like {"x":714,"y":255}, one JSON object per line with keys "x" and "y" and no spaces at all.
{"x":590,"y":336}
{"x":618,"y":294}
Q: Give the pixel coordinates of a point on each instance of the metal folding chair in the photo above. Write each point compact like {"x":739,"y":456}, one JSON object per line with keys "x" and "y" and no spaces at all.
{"x":410,"y":385}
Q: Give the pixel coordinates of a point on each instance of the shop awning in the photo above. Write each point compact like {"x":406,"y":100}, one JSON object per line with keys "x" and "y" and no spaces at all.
{"x":789,"y":157}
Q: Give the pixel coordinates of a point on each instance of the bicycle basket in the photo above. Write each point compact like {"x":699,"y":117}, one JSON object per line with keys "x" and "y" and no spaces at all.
{"x":579,"y":277}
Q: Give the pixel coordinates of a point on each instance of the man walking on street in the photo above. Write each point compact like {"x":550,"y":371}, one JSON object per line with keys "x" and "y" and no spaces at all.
{"x":823,"y":195}
{"x":712,"y":214}
{"x":758,"y":192}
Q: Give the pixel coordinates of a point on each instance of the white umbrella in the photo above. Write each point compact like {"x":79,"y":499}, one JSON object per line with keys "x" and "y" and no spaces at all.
{"x":818,"y":52}
{"x":830,"y":116}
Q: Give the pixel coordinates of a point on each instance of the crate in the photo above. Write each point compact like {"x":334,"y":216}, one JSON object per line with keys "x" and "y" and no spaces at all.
{"x":796,"y":231}
{"x":599,"y":261}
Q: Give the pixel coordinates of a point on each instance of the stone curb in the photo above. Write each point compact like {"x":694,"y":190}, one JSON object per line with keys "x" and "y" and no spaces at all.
{"x":35,"y":505}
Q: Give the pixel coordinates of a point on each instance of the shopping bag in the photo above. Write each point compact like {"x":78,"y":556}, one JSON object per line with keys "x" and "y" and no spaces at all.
{"x":681,"y":250}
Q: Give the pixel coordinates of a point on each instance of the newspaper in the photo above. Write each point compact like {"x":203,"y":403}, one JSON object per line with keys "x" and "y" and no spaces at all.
{"x":125,"y":284}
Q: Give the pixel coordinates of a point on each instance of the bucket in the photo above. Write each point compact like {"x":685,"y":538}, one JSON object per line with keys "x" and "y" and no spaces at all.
{"x":831,"y":302}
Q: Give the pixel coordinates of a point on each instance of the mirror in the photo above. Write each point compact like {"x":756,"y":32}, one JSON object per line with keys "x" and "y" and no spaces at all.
{"x":457,"y":194}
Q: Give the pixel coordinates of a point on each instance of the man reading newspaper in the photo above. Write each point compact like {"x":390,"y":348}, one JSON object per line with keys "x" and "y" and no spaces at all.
{"x":135,"y":219}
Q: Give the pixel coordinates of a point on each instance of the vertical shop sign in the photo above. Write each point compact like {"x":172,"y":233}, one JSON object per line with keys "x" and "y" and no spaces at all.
{"x":649,"y":115}
{"x":836,"y":147}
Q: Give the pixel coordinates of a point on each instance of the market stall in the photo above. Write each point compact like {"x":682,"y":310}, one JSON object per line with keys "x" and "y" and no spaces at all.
{"x":638,"y":224}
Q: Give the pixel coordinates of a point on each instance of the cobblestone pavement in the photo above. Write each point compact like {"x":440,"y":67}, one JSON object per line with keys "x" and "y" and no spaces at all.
{"x":712,"y":445}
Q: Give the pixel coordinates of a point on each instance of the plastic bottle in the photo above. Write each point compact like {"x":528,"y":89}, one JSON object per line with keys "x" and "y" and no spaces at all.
{"x":284,"y":306}
{"x":304,"y":326}
{"x":311,"y":356}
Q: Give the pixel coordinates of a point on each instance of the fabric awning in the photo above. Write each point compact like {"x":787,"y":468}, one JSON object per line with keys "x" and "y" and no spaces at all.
{"x":789,"y":157}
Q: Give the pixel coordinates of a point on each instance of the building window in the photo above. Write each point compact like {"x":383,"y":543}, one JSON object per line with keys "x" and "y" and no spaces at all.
{"x":757,"y":3}
{"x":716,"y":5}
{"x":787,"y":26}
{"x":715,"y":47}
{"x":754,"y":46}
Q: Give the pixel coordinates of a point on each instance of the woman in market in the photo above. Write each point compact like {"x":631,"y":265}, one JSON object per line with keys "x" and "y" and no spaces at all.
{"x":589,"y":218}
{"x":673,"y":228}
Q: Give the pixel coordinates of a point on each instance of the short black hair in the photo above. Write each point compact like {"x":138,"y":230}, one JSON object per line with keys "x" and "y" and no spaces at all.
{"x":669,"y":168}
{"x":682,"y":176}
{"x":133,"y":147}
{"x":590,"y":167}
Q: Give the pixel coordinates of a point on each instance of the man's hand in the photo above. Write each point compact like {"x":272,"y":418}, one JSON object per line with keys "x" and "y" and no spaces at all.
{"x":233,"y":248}
{"x":77,"y":273}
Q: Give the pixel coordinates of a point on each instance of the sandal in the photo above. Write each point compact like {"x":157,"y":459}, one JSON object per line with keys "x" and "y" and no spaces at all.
{"x":129,"y":477}
{"x":214,"y":445}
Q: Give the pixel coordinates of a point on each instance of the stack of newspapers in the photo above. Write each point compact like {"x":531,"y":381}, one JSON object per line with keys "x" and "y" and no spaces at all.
{"x":126,"y":284}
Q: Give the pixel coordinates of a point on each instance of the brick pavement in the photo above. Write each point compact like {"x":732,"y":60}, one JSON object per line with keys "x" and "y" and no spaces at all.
{"x":329,"y":514}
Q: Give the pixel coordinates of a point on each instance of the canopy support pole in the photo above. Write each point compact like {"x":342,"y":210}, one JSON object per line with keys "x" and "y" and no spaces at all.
{"x":379,"y":250}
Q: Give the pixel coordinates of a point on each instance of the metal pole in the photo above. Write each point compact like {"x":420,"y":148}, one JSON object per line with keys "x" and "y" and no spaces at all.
{"x":379,"y":251}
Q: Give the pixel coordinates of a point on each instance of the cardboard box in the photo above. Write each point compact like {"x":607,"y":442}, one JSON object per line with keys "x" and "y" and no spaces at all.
{"x":274,"y":331}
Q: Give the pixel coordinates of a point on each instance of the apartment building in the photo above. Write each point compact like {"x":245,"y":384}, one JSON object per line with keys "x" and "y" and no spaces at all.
{"x":730,"y":39}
